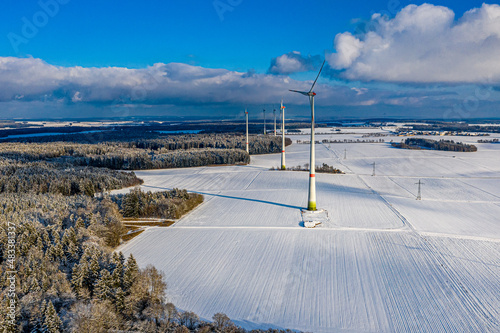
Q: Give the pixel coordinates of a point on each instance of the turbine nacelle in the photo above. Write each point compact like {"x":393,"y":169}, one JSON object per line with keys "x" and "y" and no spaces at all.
{"x":311,"y":93}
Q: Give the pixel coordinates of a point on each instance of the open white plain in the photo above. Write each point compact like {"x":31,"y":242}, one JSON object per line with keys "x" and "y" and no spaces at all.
{"x":384,"y":263}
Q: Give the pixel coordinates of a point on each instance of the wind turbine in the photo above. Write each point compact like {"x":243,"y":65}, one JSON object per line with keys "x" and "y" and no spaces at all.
{"x":283,"y":136}
{"x":246,"y":114}
{"x":274,"y":113}
{"x":311,"y":204}
{"x":264,"y":111}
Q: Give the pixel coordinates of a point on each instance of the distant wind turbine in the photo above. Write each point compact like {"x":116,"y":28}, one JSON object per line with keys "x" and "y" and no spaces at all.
{"x":274,"y":113}
{"x":246,"y":114}
{"x":311,"y":205}
{"x":264,"y":111}
{"x":282,"y":136}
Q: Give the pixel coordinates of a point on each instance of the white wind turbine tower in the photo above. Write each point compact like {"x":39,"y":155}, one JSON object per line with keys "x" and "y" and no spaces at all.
{"x":311,"y":204}
{"x":264,"y":111}
{"x":274,"y":113}
{"x":282,"y":136}
{"x":246,"y":114}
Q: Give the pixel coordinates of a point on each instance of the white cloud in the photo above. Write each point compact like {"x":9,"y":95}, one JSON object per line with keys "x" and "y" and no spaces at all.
{"x":31,"y":79}
{"x":423,"y":44}
{"x":31,"y":86}
{"x":359,"y":91}
{"x":293,"y":62}
{"x":348,"y":49}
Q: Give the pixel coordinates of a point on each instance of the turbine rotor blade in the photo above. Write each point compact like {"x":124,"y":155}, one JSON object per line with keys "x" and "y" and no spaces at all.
{"x":301,"y":92}
{"x":317,"y":77}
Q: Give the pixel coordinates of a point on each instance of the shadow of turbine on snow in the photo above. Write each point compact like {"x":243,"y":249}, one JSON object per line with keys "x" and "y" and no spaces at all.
{"x":230,"y":197}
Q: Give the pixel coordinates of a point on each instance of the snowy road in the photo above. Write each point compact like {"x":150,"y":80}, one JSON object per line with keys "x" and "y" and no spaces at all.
{"x":385,"y":262}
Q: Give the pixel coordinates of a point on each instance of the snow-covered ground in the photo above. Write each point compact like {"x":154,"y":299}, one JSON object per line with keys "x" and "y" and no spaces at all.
{"x":385,"y":262}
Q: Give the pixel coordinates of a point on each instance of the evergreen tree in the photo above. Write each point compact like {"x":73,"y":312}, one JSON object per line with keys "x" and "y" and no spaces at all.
{"x":94,"y":269}
{"x":103,"y":286}
{"x":131,"y":272}
{"x":58,"y":249}
{"x":79,"y":223}
{"x":131,"y":205}
{"x":52,"y":322}
{"x":80,"y":277}
{"x":117,"y":276}
{"x":39,"y":315}
{"x":121,"y":258}
{"x":120,"y":300}
{"x":114,"y":260}
{"x":88,"y":189}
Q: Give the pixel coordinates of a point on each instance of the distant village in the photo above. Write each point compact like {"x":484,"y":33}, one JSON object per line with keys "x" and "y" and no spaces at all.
{"x":438,"y":133}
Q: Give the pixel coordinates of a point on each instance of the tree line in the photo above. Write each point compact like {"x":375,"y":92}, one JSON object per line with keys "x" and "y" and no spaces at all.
{"x":166,"y":204}
{"x":140,"y":160}
{"x":323,"y":168}
{"x":42,"y":177}
{"x":354,"y":141}
{"x":446,"y":145}
{"x":488,"y":141}
{"x":142,"y":154}
{"x":455,"y":127}
{"x":141,"y":138}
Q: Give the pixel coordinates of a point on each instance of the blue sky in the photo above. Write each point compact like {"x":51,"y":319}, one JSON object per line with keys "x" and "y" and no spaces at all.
{"x":233,"y":45}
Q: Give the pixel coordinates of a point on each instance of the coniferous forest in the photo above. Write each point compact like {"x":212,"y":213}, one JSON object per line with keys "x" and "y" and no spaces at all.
{"x":131,"y":153}
{"x":167,"y":204}
{"x":59,"y":226}
{"x":446,"y":145}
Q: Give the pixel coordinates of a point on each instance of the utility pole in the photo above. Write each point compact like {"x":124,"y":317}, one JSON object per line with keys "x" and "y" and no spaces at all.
{"x":373,"y":173}
{"x":419,"y":194}
{"x":345,"y":153}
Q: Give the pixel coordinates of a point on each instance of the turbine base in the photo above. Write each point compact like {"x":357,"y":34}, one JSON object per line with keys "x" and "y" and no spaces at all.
{"x":312,"y":218}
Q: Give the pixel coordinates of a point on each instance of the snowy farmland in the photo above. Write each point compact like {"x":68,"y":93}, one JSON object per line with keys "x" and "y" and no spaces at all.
{"x":384,"y":262}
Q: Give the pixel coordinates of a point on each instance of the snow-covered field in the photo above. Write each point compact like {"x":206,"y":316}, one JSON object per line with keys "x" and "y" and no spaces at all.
{"x":385,"y":262}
